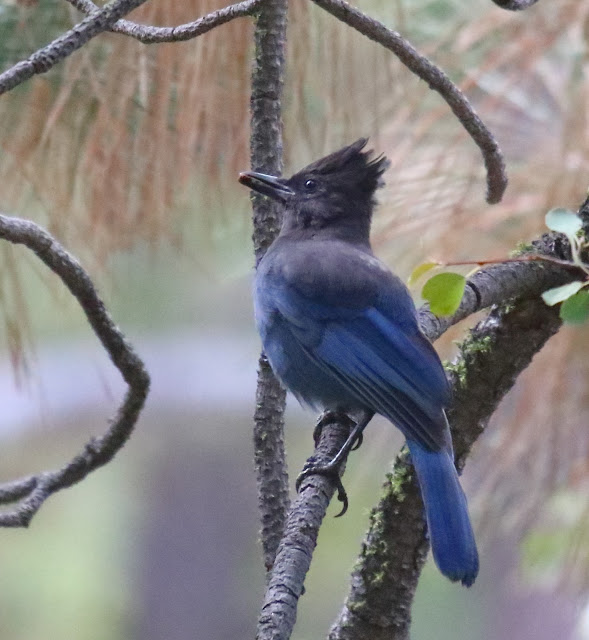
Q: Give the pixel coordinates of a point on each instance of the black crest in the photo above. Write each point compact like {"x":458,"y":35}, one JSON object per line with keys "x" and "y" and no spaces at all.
{"x":351,"y":166}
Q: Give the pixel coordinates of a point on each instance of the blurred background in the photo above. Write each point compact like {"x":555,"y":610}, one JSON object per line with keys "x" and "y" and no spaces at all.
{"x":129,"y":154}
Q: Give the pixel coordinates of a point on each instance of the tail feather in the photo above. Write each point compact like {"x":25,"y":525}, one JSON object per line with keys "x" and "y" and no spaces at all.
{"x":451,"y":535}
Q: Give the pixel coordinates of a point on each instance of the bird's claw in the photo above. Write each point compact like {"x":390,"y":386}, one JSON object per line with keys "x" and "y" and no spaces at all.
{"x":332,"y":468}
{"x":330,"y":471}
{"x":342,"y":496}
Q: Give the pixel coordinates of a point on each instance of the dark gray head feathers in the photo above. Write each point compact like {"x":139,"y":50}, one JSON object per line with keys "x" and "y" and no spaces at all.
{"x":332,"y":197}
{"x":349,"y":167}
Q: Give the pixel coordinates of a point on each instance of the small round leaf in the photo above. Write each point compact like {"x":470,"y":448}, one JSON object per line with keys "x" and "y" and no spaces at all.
{"x":559,"y":294}
{"x":563,"y":221}
{"x":444,"y":293}
{"x":575,"y":310}
{"x":420,"y":269}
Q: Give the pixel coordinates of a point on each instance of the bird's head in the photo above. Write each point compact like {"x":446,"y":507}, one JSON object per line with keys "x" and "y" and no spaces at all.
{"x":334,"y":195}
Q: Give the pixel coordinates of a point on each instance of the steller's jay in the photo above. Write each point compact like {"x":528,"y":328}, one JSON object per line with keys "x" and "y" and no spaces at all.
{"x":341,"y":333}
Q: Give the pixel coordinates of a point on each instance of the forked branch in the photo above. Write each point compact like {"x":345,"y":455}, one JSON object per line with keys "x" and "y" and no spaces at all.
{"x":152,"y":35}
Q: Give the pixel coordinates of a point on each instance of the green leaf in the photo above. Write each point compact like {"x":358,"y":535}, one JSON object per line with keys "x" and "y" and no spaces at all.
{"x":563,"y":221}
{"x":444,"y":293}
{"x":420,"y":269}
{"x":575,"y":310}
{"x":559,"y":294}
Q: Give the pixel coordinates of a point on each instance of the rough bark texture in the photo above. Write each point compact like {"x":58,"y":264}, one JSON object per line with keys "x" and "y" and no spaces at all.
{"x":294,"y":555}
{"x":270,"y":460}
{"x":266,"y":156}
{"x":490,"y":286}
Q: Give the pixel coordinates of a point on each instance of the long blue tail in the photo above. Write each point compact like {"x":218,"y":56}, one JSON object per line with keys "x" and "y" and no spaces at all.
{"x":451,"y":536}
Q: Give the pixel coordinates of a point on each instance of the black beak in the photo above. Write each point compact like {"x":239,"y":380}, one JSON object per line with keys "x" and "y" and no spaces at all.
{"x":266,"y":185}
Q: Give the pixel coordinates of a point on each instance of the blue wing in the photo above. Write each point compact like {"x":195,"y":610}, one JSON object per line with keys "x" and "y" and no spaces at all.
{"x":373,"y":350}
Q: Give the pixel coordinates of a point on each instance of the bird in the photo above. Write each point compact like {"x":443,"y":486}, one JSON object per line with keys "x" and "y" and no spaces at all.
{"x":340,"y":331}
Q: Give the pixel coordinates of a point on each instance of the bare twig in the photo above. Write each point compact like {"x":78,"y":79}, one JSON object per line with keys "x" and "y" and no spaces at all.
{"x":266,"y":156}
{"x":437,"y":80}
{"x":47,"y":57}
{"x":152,"y":35}
{"x":34,"y":490}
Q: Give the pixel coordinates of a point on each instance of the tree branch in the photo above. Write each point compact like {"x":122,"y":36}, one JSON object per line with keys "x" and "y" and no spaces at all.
{"x":266,"y":156}
{"x":293,"y":559}
{"x":494,"y":285}
{"x":437,"y":80}
{"x":148,"y":34}
{"x":34,"y":490}
{"x":47,"y":57}
{"x":515,"y":5}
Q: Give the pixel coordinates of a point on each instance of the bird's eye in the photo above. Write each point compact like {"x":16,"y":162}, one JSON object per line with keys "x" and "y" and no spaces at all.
{"x":310,"y":185}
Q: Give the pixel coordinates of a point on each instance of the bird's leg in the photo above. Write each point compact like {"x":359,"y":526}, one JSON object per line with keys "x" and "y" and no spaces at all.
{"x":332,"y":468}
{"x":331,"y":417}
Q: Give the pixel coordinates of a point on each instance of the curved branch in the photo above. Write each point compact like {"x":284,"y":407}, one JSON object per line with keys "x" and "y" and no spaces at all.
{"x":515,"y":5}
{"x":34,"y":490}
{"x":47,"y":57}
{"x":152,"y":35}
{"x":437,"y":80}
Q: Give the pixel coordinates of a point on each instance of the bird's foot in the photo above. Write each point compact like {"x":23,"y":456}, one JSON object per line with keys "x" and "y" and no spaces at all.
{"x":358,"y":442}
{"x":330,"y":470}
{"x":332,"y":417}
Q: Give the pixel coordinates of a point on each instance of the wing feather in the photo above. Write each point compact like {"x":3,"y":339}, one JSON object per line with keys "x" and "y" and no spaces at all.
{"x":370,"y":343}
